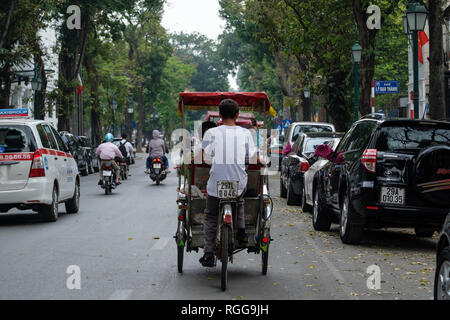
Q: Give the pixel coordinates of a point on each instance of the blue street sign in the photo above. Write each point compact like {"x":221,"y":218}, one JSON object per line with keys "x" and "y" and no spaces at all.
{"x":286,"y":123}
{"x":278,"y":127}
{"x":278,"y":120}
{"x":383,"y":87}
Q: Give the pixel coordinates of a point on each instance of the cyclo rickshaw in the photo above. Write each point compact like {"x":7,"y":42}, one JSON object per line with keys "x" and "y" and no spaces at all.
{"x":191,"y":198}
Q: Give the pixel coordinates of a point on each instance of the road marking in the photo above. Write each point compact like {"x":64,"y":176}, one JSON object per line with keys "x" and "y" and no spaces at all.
{"x":120,"y":294}
{"x":161,"y":243}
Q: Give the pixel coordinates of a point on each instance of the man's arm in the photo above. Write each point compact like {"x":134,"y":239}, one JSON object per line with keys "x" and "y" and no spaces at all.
{"x":99,"y":149}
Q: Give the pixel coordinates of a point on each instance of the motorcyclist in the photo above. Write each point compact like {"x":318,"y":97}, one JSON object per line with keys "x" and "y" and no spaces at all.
{"x":128,"y":147}
{"x":157,"y":148}
{"x":229,"y":147}
{"x":107,"y":152}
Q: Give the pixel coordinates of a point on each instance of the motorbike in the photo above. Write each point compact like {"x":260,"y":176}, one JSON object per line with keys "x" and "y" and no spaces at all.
{"x":157,"y":170}
{"x":123,"y":169}
{"x":109,"y":178}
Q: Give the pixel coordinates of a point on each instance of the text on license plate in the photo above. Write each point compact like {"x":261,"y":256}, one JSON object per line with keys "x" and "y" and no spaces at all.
{"x":157,"y":165}
{"x":392,"y":195}
{"x":107,"y":173}
{"x":227,"y":189}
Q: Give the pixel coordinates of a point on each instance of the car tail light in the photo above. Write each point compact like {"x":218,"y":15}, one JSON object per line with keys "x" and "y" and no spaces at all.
{"x":228,"y":218}
{"x":37,"y":165}
{"x":304,"y":166}
{"x":369,"y":159}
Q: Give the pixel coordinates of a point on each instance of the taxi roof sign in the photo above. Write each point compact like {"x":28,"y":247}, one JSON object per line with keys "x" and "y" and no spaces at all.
{"x":14,"y":113}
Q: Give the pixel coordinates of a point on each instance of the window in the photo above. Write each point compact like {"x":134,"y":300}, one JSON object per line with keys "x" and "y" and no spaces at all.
{"x":361,"y":135}
{"x":58,"y":139}
{"x":311,"y":144}
{"x":299,"y":129}
{"x":342,"y":147}
{"x":51,"y":139}
{"x":44,"y":139}
{"x":16,"y":138}
{"x":414,"y":136}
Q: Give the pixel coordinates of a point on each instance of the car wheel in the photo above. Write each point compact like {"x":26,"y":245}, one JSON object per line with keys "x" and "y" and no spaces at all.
{"x":424,"y":232}
{"x":73,"y":205}
{"x":442,"y":276}
{"x":291,"y":197}
{"x":49,"y":213}
{"x":305,"y":207}
{"x":321,"y":217}
{"x":349,"y":232}
{"x":283,"y":191}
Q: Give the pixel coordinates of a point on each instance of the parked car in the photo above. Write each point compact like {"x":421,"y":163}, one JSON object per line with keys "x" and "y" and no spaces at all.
{"x":442,"y":276}
{"x":77,"y":151}
{"x":295,"y":164}
{"x":297,"y":128}
{"x":395,"y":174}
{"x":92,"y":158}
{"x":36,"y":169}
{"x":307,"y":195}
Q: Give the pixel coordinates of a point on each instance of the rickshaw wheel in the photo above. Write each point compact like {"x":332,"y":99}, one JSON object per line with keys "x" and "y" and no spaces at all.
{"x":224,"y":257}
{"x":265,"y":260}
{"x":180,"y":259}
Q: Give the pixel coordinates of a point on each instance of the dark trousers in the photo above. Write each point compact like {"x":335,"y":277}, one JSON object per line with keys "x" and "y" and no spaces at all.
{"x":211,"y":219}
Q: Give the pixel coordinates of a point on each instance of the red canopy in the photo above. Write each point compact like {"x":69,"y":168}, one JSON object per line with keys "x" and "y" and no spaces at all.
{"x":255,"y":101}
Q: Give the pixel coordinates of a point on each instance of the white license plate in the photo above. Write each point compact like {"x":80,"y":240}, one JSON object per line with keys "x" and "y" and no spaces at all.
{"x":392,"y":195}
{"x":107,"y":173}
{"x":227,"y":189}
{"x":157,"y":165}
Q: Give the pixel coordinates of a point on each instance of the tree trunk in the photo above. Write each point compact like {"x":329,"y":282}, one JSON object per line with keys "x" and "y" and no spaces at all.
{"x":5,"y":77}
{"x":437,"y":78}
{"x":140,"y":128}
{"x":367,"y":65}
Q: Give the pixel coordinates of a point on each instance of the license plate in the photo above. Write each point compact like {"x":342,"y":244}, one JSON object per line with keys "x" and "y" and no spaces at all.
{"x":392,"y":195}
{"x":157,"y":165}
{"x":227,"y":189}
{"x":107,"y":173}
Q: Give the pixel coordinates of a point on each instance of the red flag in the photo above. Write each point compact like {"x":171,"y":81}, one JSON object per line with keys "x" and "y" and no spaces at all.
{"x":79,"y":85}
{"x":423,"y":39}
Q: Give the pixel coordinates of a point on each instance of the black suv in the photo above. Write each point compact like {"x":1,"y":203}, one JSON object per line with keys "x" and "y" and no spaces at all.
{"x":77,"y":151}
{"x":442,"y":276}
{"x":395,"y":173}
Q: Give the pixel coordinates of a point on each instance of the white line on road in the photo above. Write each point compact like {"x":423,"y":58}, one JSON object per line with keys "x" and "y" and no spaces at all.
{"x":120,"y":294}
{"x":161,"y":244}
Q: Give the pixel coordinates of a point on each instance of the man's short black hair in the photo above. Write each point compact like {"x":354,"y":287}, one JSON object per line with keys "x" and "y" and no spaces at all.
{"x":124,"y":136}
{"x":228,"y":109}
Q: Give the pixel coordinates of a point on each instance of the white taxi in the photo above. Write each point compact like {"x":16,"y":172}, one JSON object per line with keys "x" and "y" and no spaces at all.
{"x":37,"y":171}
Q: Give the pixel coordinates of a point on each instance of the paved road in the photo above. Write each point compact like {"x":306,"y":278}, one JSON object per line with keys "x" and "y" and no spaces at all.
{"x":124,"y":248}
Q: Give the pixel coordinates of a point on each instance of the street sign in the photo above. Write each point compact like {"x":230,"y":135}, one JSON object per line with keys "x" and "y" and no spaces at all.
{"x":383,"y":87}
{"x":278,"y":127}
{"x":13,"y":113}
{"x":278,"y":120}
{"x":286,"y":123}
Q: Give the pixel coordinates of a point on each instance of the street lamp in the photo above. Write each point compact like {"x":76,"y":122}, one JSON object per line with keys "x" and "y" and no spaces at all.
{"x":36,"y":85}
{"x":356,"y":57}
{"x":307,"y":94}
{"x":416,"y":18}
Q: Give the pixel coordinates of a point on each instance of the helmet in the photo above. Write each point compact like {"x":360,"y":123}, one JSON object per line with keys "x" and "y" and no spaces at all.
{"x":109,"y":137}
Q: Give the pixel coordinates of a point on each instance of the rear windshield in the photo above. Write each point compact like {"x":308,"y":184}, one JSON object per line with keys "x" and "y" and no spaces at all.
{"x":299,"y":129}
{"x":312,"y":143}
{"x":412,"y":137}
{"x":16,"y":138}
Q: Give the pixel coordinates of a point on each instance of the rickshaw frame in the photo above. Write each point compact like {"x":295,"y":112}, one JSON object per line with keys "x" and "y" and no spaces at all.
{"x":186,"y":236}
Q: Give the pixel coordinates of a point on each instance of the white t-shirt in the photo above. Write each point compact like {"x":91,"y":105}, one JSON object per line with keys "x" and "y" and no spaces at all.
{"x":227,"y":148}
{"x":128,"y":147}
